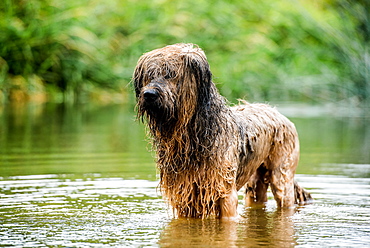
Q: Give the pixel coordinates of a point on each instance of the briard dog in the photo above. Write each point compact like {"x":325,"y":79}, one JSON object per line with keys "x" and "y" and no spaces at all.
{"x":206,"y":150}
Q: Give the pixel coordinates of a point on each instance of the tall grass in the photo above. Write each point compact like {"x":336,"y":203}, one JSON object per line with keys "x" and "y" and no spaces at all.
{"x":54,"y":43}
{"x":281,"y":50}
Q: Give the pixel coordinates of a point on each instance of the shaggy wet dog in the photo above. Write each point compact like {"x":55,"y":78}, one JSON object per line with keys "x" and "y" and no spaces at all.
{"x":206,"y":150}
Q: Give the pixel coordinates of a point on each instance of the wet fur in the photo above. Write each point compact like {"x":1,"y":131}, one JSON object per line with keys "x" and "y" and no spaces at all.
{"x":206,"y":150}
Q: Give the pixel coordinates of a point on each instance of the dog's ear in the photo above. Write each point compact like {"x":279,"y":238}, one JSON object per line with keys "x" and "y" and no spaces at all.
{"x":199,"y":68}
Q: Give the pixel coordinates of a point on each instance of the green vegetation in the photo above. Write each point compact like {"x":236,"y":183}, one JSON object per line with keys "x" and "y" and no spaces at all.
{"x":281,"y":50}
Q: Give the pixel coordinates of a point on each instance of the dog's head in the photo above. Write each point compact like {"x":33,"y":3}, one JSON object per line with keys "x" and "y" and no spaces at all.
{"x":171,"y":83}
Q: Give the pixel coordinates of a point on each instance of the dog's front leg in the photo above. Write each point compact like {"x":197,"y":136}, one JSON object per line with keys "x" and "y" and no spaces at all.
{"x":229,"y":205}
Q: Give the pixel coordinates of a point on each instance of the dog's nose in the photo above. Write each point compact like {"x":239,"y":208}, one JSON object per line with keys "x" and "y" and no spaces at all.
{"x":150,"y":95}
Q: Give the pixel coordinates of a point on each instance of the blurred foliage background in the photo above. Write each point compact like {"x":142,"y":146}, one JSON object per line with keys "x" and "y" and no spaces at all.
{"x":280,"y":50}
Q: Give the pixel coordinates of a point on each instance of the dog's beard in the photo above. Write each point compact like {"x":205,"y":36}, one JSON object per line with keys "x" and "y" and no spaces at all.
{"x":160,"y":113}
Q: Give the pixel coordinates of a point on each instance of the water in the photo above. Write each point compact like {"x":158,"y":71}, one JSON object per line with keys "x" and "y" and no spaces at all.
{"x":83,"y":177}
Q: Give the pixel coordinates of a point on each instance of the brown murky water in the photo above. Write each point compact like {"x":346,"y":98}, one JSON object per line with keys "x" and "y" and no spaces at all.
{"x":83,"y":177}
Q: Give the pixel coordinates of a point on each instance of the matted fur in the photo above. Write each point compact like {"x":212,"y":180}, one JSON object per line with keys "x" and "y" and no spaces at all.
{"x":207,"y":151}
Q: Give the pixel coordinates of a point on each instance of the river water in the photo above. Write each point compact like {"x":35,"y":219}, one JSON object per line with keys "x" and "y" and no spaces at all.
{"x":84,"y":177}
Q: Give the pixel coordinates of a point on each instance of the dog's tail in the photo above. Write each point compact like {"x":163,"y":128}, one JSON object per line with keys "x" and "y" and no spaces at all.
{"x":302,"y":196}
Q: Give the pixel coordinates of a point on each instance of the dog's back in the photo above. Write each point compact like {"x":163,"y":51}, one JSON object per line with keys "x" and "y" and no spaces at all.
{"x":269,"y":154}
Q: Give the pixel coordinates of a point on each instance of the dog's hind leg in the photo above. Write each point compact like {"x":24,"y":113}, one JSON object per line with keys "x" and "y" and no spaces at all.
{"x":256,"y":188}
{"x":282,"y":184}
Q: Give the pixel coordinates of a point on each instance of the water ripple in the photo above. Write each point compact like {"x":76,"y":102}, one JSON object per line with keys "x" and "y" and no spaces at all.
{"x":62,"y":210}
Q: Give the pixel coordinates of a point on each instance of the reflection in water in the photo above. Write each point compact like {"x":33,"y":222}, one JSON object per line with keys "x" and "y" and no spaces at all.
{"x":269,"y":228}
{"x":256,"y":227}
{"x":196,"y":232}
{"x":57,"y":138}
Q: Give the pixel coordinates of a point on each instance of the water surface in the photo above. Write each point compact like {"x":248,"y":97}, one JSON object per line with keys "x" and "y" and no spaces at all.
{"x":83,"y":177}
